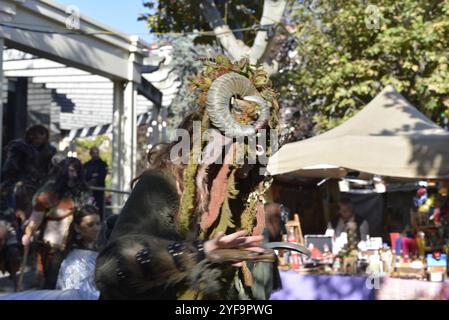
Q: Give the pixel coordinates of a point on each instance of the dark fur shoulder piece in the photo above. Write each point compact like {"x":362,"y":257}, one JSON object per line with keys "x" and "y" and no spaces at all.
{"x":150,"y":209}
{"x":206,"y":277}
{"x":141,"y":267}
{"x":137,"y":262}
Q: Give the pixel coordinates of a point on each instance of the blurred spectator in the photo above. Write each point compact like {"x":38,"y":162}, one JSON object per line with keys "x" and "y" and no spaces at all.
{"x":95,"y":174}
{"x":276,"y":216}
{"x":9,"y":251}
{"x":347,"y":219}
{"x":29,"y":159}
{"x":54,"y":205}
{"x":26,"y":167}
{"x":78,"y":268}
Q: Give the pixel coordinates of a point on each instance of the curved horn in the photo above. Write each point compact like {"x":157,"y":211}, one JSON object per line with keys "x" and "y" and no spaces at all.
{"x":218,"y":99}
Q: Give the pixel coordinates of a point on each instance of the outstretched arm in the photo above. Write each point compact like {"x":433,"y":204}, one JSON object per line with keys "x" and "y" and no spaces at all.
{"x":41,"y":204}
{"x":32,"y":225}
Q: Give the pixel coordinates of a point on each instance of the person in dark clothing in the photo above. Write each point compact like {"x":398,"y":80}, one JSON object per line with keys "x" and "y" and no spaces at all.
{"x":95,"y":171}
{"x":10,"y":255}
{"x":26,"y":167}
{"x":277,"y":216}
{"x":29,"y":158}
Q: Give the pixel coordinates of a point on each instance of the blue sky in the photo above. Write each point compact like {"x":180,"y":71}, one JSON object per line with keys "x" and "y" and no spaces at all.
{"x":118,"y":14}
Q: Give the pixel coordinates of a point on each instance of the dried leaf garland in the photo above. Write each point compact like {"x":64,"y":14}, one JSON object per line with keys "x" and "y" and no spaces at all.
{"x":225,"y":212}
{"x":201,"y":187}
{"x":247,"y":275}
{"x":187,"y":205}
{"x":218,"y":193}
{"x":247,"y":217}
{"x":188,"y":196}
{"x":225,"y":219}
{"x":260,"y":219}
{"x":217,"y":196}
{"x":273,"y":121}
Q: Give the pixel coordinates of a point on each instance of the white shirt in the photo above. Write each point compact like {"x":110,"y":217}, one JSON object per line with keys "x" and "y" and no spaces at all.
{"x":78,"y":272}
{"x":342,"y":228}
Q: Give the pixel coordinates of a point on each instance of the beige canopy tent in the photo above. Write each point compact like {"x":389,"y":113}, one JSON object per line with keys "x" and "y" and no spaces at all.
{"x":389,"y":138}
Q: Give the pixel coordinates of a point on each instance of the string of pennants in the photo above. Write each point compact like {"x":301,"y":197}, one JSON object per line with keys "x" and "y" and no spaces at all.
{"x":142,"y":119}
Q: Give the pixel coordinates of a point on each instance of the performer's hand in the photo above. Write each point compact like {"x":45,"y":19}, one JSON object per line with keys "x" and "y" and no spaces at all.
{"x":237,"y":240}
{"x":26,"y":240}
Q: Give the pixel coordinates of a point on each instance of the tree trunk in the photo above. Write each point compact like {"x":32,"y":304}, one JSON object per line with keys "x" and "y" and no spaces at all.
{"x":273,"y":11}
{"x":272,"y":14}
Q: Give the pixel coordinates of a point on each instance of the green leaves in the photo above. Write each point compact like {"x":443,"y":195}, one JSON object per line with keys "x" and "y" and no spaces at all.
{"x":345,"y":61}
{"x":187,"y":15}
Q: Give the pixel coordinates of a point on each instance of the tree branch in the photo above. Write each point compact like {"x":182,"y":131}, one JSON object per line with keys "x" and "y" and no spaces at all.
{"x":273,"y":11}
{"x":236,"y":48}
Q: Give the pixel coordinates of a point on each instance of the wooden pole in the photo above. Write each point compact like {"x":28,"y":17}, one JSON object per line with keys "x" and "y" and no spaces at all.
{"x":22,"y":269}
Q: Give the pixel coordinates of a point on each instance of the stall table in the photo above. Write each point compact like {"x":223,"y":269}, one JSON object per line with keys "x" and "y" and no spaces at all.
{"x":347,"y":287}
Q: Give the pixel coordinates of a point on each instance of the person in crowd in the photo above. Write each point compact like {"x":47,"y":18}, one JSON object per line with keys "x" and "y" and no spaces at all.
{"x":53,"y":208}
{"x":76,"y":275}
{"x":277,"y":216}
{"x":347,"y":219}
{"x":78,"y":268}
{"x":29,"y":158}
{"x":95,"y":173}
{"x":10,"y":256}
{"x":26,"y":167}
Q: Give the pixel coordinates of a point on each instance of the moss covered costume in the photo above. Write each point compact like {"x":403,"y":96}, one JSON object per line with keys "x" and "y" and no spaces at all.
{"x":156,"y":248}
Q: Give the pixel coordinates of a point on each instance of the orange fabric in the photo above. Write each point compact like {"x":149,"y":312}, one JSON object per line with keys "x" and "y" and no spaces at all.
{"x":48,"y":200}
{"x":66,"y":203}
{"x":43,"y":201}
{"x":217,"y":196}
{"x":260,"y":219}
{"x":40,"y":263}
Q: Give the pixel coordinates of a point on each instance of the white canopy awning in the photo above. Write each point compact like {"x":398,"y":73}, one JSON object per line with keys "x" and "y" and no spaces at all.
{"x":389,"y":137}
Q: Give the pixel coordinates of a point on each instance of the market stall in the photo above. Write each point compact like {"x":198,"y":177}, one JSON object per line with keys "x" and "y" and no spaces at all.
{"x":388,"y":141}
{"x":389,"y":137}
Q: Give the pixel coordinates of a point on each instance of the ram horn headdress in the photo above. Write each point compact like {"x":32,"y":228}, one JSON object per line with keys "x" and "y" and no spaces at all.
{"x":224,"y":93}
{"x":237,"y":99}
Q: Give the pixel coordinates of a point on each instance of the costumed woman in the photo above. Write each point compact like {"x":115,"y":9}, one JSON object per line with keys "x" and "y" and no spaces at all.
{"x":77,"y":269}
{"x":172,"y":238}
{"x":76,"y":274}
{"x":53,"y":208}
{"x":26,"y":166}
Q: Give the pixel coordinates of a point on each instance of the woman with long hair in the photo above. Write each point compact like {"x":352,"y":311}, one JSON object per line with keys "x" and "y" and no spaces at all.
{"x":191,"y":229}
{"x":76,"y":274}
{"x":53,"y":208}
{"x":77,"y":269}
